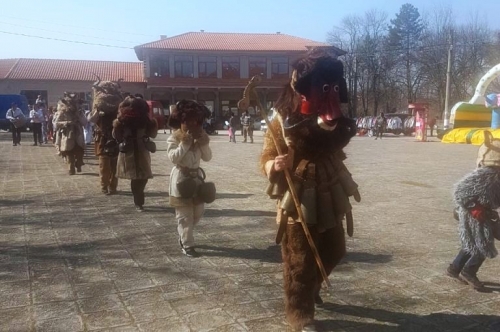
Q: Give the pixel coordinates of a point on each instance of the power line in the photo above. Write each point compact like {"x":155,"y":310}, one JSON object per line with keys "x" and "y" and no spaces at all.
{"x":65,"y":40}
{"x":68,"y":33}
{"x":80,"y":27}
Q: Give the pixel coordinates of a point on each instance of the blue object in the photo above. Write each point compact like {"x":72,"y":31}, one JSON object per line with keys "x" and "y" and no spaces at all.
{"x":491,"y":100}
{"x":495,"y":118}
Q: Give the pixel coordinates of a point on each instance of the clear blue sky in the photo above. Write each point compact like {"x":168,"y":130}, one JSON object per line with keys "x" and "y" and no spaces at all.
{"x":128,"y":23}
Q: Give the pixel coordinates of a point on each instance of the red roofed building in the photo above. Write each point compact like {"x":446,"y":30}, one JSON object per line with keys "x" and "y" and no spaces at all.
{"x":51,"y":77}
{"x":210,"y":67}
{"x":215,"y":67}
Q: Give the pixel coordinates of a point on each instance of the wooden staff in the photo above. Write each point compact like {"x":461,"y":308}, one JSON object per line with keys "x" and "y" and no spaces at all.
{"x":295,"y":198}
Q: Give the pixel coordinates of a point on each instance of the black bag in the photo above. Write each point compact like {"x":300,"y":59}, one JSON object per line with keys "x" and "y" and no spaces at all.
{"x":150,"y":145}
{"x":111,"y":147}
{"x":189,"y":186}
{"x":126,"y":146}
{"x":206,"y":190}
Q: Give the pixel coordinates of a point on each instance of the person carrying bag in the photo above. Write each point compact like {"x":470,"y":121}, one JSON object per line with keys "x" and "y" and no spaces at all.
{"x":132,"y":129}
{"x":188,"y":191}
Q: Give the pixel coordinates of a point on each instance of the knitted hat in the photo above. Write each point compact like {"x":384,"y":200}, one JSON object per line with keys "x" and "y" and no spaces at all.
{"x":489,"y":152}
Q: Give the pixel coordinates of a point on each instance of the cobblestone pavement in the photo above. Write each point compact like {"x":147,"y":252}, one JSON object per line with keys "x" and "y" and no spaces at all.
{"x":72,"y":259}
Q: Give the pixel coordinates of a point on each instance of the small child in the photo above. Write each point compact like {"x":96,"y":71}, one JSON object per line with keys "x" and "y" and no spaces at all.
{"x":186,"y":148}
{"x":477,"y":200}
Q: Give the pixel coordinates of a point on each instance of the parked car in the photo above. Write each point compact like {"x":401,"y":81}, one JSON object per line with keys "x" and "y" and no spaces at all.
{"x":5,"y":101}
{"x":157,"y":112}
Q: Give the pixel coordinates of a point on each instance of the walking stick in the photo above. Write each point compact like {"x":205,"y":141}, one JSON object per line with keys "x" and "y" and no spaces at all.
{"x":292,"y":191}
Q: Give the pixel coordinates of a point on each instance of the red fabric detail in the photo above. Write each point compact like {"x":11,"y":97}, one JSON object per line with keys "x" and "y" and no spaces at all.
{"x":305,"y":107}
{"x":477,"y":213}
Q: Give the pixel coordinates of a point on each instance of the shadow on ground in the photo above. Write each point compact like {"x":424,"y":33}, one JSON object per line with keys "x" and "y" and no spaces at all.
{"x":238,"y":213}
{"x":400,"y":321}
{"x":366,"y":257}
{"x":271,"y":254}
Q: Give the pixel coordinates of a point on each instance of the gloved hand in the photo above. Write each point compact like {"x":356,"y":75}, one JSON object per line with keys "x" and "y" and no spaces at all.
{"x":187,"y":138}
{"x":203,"y":139}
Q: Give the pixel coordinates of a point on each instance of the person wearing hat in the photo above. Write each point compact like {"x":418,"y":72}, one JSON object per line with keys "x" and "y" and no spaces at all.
{"x":186,"y":147}
{"x":477,"y":201}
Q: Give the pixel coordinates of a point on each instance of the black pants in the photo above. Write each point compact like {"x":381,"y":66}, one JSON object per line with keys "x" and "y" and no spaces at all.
{"x":37,"y":133}
{"x":468,"y":262}
{"x":137,"y":187}
{"x":16,"y":134}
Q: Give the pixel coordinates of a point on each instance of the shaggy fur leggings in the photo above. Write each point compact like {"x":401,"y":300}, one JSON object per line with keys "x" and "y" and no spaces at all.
{"x":107,"y":172}
{"x":302,"y":278}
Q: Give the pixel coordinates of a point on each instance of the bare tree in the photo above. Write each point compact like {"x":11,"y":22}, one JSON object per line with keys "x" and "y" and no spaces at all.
{"x":347,"y":37}
{"x":389,"y":65}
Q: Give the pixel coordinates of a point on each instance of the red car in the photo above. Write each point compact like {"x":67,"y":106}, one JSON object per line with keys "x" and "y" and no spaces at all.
{"x":156,"y":111}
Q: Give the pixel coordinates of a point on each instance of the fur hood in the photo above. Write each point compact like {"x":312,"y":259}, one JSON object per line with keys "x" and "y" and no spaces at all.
{"x":479,"y":188}
{"x":107,"y":96}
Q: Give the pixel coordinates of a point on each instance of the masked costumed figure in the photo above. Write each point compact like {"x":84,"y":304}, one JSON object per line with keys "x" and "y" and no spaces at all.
{"x":69,"y":122}
{"x":132,"y":129}
{"x":311,"y":131}
{"x":477,"y":201}
{"x":107,"y":97}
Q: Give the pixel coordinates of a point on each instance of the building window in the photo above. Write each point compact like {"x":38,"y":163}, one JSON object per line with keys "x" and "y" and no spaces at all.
{"x":207,"y":66}
{"x":279,"y":67}
{"x":159,"y":67}
{"x":183,"y":66}
{"x":257,"y":66}
{"x":230,"y":67}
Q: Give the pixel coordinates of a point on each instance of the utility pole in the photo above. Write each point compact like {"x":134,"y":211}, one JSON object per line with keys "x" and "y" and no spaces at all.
{"x":355,"y":92}
{"x":447,"y":96}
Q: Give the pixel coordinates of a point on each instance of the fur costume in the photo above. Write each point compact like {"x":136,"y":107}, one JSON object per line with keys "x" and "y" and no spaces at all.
{"x":312,"y":131}
{"x":107,"y":98}
{"x":69,"y":122}
{"x":134,"y":127}
{"x":477,"y":198}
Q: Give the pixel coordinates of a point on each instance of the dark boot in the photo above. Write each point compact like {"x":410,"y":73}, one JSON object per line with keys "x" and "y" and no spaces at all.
{"x":71,"y":162}
{"x":471,"y":280}
{"x":452,"y":272}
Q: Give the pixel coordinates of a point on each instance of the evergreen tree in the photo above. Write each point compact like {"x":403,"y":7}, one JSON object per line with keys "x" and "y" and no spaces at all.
{"x":405,"y":35}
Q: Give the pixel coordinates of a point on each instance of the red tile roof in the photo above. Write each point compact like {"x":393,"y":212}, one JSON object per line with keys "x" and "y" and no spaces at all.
{"x":6,"y":67}
{"x":70,"y":70}
{"x":250,"y":42}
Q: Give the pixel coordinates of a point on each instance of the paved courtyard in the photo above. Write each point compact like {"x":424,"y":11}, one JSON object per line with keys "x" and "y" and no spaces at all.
{"x":72,"y":259}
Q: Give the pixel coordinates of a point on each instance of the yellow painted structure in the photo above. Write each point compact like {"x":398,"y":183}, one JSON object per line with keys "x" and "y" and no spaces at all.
{"x":474,"y":136}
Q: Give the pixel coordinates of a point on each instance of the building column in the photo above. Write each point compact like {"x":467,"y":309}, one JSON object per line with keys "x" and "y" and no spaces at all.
{"x":266,"y":90}
{"x":244,"y":67}
{"x":171,"y":66}
{"x":269,"y":67}
{"x":217,"y":103}
{"x":173,"y":102}
{"x":219,"y":67}
{"x":195,"y":66}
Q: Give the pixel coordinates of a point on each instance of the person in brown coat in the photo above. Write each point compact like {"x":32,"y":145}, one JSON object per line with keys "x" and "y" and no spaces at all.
{"x":107,"y":97}
{"x":132,"y":129}
{"x":311,"y":131}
